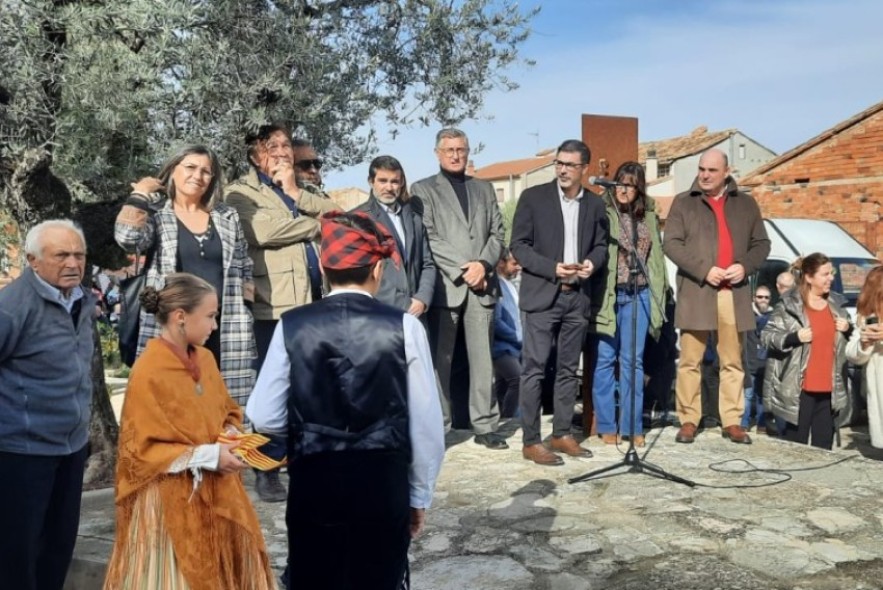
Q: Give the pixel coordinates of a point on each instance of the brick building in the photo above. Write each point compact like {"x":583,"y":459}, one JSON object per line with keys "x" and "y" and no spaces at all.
{"x":836,"y":176}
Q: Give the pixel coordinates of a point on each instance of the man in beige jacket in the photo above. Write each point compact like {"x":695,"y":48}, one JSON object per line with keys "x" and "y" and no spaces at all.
{"x":281,"y":226}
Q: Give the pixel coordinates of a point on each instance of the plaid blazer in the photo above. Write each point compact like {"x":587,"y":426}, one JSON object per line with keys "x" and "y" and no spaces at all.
{"x":160,"y":233}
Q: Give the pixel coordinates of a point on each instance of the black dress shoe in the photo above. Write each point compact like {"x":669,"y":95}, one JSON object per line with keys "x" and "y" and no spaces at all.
{"x":491,"y":440}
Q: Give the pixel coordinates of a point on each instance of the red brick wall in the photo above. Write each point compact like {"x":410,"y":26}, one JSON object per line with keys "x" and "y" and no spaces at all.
{"x":844,"y":183}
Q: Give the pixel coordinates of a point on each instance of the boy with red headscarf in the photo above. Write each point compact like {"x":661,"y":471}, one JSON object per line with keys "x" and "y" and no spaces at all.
{"x":351,"y":381}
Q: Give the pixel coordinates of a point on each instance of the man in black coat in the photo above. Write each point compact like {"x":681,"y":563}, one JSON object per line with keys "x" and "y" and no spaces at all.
{"x":410,"y":285}
{"x":559,"y":235}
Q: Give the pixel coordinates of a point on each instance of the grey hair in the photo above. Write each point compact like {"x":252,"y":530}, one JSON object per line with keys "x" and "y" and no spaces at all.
{"x":449,"y":133}
{"x":34,"y":239}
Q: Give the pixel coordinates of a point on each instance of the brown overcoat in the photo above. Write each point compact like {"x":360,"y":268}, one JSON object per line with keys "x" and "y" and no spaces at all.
{"x":690,"y":241}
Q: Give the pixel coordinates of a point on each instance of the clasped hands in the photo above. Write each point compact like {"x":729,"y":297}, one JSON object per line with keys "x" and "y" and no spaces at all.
{"x":733,"y":274}
{"x":474,"y":275}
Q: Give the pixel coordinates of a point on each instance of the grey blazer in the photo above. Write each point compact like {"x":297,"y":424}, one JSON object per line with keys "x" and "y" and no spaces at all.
{"x":455,"y":240}
{"x":416,"y":277}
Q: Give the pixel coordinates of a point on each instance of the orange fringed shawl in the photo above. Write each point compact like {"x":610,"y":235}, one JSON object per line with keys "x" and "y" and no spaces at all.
{"x":216,"y":536}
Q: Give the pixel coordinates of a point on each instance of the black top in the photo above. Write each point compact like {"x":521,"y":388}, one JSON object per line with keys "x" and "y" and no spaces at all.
{"x":202,"y":255}
{"x":458,"y":183}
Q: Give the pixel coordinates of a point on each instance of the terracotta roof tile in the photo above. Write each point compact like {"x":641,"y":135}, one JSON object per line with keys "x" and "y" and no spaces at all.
{"x":513,"y":167}
{"x":674,"y":148}
{"x":754,"y":177}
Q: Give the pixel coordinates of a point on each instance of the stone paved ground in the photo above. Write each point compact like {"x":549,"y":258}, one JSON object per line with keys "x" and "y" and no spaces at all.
{"x":502,"y":523}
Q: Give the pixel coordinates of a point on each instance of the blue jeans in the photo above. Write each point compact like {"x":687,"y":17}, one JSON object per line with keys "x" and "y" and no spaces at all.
{"x":619,"y":347}
{"x":754,"y":398}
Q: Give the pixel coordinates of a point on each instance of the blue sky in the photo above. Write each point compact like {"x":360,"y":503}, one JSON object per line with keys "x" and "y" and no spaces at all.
{"x":781,"y":71}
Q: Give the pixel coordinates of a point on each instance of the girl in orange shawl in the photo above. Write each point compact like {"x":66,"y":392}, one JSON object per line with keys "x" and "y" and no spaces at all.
{"x":184,"y":520}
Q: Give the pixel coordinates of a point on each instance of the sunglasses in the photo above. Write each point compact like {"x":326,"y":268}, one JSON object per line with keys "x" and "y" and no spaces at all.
{"x":308,"y":164}
{"x":761,"y":296}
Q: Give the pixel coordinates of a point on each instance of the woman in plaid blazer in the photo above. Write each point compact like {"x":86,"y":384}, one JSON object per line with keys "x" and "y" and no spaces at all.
{"x":179,"y":221}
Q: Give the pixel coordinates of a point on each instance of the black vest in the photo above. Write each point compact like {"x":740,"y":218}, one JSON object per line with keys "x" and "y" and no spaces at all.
{"x":349,"y":377}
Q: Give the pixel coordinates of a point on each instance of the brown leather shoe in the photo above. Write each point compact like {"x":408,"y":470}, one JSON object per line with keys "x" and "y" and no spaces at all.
{"x":736,"y":434}
{"x":687,"y":433}
{"x":568,"y":445}
{"x":540,"y":455}
{"x":609,"y":439}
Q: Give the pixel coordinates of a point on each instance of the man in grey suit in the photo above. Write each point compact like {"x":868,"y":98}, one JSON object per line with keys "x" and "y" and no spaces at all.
{"x":465,"y":231}
{"x":411,"y":285}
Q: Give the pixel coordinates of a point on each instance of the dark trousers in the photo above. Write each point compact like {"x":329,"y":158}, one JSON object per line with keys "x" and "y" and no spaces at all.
{"x":814,"y":420}
{"x":348,"y":521}
{"x":263,"y":334}
{"x":39,"y":517}
{"x":507,"y":382}
{"x":565,"y":322}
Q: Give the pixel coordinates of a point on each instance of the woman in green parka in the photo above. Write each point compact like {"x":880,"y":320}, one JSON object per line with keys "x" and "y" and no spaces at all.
{"x":629,"y":210}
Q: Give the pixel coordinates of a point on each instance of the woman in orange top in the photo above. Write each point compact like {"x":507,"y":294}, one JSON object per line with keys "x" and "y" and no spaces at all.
{"x":806,"y":336}
{"x":184,"y":520}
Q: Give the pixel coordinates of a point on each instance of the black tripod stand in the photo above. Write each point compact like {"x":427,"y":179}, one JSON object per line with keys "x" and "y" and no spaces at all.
{"x":632,"y":460}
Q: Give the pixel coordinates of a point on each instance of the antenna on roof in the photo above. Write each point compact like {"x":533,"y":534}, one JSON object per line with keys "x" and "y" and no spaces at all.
{"x":536,"y":136}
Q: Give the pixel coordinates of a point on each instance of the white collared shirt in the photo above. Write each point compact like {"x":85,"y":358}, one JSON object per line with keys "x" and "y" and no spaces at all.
{"x":570,"y":211}
{"x":395,"y":214}
{"x":267,"y":406}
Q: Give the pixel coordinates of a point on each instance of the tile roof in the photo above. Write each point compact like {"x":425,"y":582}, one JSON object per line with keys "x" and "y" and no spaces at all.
{"x":754,"y":177}
{"x":513,"y":167}
{"x":674,"y":148}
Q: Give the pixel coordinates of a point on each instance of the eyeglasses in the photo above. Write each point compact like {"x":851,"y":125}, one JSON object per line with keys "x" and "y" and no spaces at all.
{"x":192,"y":169}
{"x":451,"y":152}
{"x":761,"y":296}
{"x":568,"y":165}
{"x":308,"y":164}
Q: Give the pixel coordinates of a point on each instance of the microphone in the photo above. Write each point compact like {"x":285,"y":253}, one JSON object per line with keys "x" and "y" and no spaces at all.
{"x":601,"y":181}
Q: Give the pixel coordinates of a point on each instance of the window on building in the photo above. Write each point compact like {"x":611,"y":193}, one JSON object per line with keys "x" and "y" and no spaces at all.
{"x":663,"y":170}
{"x":741,"y":151}
{"x":501,"y":195}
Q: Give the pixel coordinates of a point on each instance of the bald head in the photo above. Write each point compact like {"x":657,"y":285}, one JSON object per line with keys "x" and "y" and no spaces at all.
{"x":784,"y":282}
{"x":713,"y":172}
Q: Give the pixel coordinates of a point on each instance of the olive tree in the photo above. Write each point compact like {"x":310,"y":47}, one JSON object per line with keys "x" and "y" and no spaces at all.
{"x":93,"y":93}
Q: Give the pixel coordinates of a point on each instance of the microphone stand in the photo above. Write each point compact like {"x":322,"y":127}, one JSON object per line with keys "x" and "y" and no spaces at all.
{"x":632,"y":460}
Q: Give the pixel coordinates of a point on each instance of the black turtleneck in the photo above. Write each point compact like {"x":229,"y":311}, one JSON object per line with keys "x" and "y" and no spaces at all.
{"x":458,"y":183}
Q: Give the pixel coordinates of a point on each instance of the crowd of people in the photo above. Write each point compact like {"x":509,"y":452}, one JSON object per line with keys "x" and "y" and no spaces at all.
{"x":270,"y":314}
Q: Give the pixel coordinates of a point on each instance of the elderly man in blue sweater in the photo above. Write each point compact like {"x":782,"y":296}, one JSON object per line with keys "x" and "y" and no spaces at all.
{"x":46,"y":322}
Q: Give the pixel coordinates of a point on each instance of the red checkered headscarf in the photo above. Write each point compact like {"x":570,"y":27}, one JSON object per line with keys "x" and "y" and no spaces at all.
{"x":345,"y":247}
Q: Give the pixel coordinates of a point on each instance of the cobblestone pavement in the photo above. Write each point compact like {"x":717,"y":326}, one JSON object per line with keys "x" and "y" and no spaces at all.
{"x":499,"y":522}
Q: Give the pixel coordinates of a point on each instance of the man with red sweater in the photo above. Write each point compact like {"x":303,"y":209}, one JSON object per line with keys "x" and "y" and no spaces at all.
{"x":715,"y":235}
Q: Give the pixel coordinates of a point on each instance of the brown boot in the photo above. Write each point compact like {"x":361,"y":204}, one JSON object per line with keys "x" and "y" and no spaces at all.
{"x":736,"y":434}
{"x":687,"y":433}
{"x":568,"y":445}
{"x":540,"y":455}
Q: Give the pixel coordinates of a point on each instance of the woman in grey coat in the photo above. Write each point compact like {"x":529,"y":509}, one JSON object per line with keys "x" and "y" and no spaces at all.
{"x":806,"y":337}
